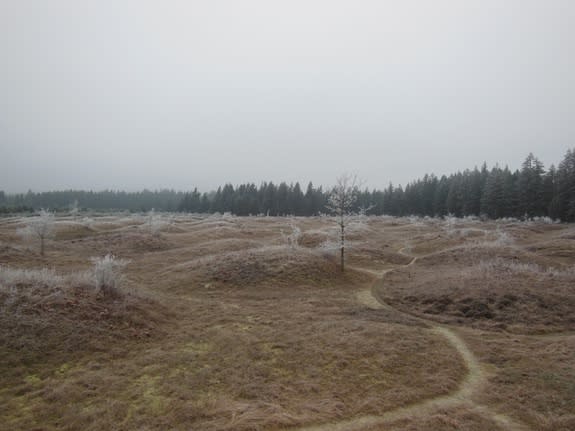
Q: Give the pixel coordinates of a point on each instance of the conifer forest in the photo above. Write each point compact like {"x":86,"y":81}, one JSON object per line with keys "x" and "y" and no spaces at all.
{"x":496,"y":192}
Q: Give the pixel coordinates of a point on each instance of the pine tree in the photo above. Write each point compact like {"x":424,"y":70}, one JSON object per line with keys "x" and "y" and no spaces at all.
{"x":530,"y":188}
{"x":455,"y":195}
{"x":472,"y":185}
{"x":296,"y":200}
{"x":549,"y":189}
{"x":493,"y":199}
{"x":564,"y":199}
{"x":282,"y":199}
{"x":440,"y":197}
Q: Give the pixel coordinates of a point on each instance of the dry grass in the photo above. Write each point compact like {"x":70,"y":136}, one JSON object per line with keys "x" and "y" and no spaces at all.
{"x":492,"y":288}
{"x":457,"y":419}
{"x":533,"y":377}
{"x":226,"y":327}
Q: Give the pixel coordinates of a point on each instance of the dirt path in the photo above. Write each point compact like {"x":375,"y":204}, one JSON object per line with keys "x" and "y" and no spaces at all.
{"x":463,"y":397}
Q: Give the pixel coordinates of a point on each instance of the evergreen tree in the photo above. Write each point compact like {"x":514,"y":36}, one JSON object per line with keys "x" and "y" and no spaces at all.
{"x":455,"y":195}
{"x":296,"y":200}
{"x":472,"y":186}
{"x":549,"y":189}
{"x":493,"y":199}
{"x":530,"y":188}
{"x":282,"y":199}
{"x":440,"y":197}
{"x":564,"y":199}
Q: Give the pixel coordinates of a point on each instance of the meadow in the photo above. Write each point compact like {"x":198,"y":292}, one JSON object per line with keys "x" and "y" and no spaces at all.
{"x":247,"y":323}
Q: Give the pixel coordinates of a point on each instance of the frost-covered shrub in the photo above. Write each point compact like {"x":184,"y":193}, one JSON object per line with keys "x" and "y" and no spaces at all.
{"x":544,"y":220}
{"x":503,"y":238}
{"x":74,"y":209}
{"x":10,"y":277}
{"x":107,"y":273}
{"x":498,"y":265}
{"x":155,"y":223}
{"x":40,"y":227}
{"x":449,"y":224}
{"x":87,"y":221}
{"x":292,"y":238}
{"x":228,"y":216}
{"x":20,"y":288}
{"x":415,"y":220}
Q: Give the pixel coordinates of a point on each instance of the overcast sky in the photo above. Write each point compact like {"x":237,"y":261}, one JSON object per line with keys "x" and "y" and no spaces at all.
{"x":175,"y":94}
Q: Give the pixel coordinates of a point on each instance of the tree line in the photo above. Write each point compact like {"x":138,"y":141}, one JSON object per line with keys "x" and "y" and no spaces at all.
{"x":531,"y":191}
{"x":495,"y":193}
{"x":107,"y":200}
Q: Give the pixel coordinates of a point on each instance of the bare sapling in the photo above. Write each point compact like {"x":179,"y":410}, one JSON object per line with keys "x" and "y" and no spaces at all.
{"x":40,"y":227}
{"x":340,"y":203}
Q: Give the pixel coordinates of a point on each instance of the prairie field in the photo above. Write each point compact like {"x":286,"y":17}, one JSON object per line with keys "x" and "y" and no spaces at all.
{"x":248,"y":323}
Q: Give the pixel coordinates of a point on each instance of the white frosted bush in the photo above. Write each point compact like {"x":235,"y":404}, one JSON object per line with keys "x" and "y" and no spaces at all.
{"x":107,"y":273}
{"x":10,"y":277}
{"x":155,"y":223}
{"x":503,"y":238}
{"x":292,"y":238}
{"x":40,"y":227}
{"x":489,"y":267}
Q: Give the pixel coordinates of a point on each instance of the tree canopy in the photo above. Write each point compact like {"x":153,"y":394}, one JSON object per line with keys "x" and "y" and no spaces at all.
{"x":531,"y":191}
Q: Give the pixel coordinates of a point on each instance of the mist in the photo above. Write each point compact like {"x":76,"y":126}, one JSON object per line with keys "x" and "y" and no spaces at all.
{"x":141,"y":94}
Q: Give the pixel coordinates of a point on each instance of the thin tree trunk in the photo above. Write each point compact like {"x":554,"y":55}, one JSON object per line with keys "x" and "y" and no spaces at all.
{"x":342,"y":245}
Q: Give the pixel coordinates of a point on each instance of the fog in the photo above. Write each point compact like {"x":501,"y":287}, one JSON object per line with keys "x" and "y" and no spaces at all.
{"x":178,"y":94}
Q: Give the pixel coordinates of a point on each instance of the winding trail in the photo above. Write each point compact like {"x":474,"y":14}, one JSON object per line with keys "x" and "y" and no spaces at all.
{"x":471,"y":384}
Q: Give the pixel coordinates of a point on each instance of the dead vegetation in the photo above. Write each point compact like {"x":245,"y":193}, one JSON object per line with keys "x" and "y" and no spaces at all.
{"x":508,"y":288}
{"x":534,"y":378}
{"x":225,"y":325}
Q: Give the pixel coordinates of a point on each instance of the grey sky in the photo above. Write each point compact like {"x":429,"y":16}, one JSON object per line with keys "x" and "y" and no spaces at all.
{"x":152,"y":94}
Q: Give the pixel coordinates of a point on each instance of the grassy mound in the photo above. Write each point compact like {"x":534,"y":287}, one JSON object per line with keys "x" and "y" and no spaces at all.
{"x":73,"y":230}
{"x":503,"y":288}
{"x":46,"y":315}
{"x":562,"y":249}
{"x":272,"y":266}
{"x":124,"y":242}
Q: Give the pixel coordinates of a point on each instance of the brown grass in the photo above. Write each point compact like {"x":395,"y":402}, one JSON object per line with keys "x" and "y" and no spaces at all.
{"x":493,"y":288}
{"x":456,"y":419}
{"x":532,"y":377}
{"x":225,"y":327}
